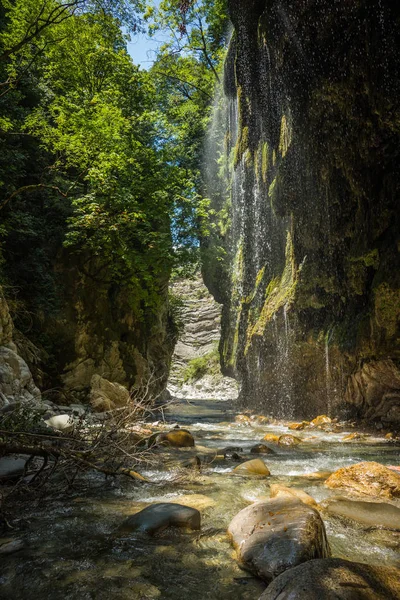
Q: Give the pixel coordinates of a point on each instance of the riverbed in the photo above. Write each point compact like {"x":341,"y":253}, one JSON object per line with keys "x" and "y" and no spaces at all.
{"x":71,"y":552}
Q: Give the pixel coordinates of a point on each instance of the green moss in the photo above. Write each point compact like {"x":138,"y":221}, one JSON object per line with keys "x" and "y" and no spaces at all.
{"x":280,"y":292}
{"x":387,"y":308}
{"x":241,"y":145}
{"x":204,"y":365}
{"x":371,"y":259}
{"x":264,"y":162}
{"x":285,"y":137}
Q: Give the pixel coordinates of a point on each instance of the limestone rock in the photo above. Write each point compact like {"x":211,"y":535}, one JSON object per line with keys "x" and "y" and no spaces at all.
{"x":253,"y":467}
{"x":200,"y":316}
{"x":177,"y":438}
{"x":281,"y":491}
{"x":105,"y":395}
{"x":16,"y":382}
{"x":335,"y":579}
{"x":61,"y":422}
{"x":374,"y":391}
{"x":273,"y":536}
{"x":157,"y":517}
{"x":372,"y":514}
{"x":367,"y":478}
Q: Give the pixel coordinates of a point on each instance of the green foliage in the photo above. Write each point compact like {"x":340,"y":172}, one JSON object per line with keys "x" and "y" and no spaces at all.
{"x":204,"y":365}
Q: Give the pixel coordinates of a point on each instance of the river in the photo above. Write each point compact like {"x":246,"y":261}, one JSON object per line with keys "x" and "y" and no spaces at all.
{"x":71,"y":553}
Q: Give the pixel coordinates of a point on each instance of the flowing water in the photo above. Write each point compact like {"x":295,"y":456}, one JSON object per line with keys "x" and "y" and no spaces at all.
{"x":71,"y":554}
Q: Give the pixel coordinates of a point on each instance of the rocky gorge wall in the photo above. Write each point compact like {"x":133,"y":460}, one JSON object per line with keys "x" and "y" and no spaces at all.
{"x":195,"y":369}
{"x":311,"y":281}
{"x":95,"y":343}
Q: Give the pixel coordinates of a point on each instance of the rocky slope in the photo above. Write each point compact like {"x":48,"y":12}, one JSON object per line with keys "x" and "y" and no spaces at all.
{"x":311,"y":282}
{"x":195,"y":370}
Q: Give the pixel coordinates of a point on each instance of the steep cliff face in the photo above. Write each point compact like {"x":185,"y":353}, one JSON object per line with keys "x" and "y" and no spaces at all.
{"x":195,"y":370}
{"x":312,"y":300}
{"x":16,"y":382}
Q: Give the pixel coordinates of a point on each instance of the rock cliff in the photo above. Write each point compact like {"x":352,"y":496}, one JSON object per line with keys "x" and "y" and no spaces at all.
{"x":195,"y":370}
{"x":311,"y":281}
{"x":16,"y":382}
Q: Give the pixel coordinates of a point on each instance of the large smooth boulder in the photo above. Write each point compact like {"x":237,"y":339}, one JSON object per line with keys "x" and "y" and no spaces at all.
{"x":335,"y":579}
{"x":253,"y":467}
{"x":372,"y":514}
{"x":368,"y":479}
{"x":158,"y":517}
{"x":281,"y":491}
{"x":275,"y":535}
{"x":106,"y":395}
{"x":177,"y":438}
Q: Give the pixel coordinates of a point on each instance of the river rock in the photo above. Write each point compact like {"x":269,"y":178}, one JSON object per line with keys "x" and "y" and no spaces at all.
{"x":273,"y":536}
{"x":10,"y":546}
{"x":372,"y":514}
{"x":320,"y":420}
{"x":288,"y":440}
{"x":353,"y":436}
{"x":61,"y":422}
{"x":367,"y":478}
{"x":281,"y":491}
{"x":244,"y":419}
{"x":335,"y":579}
{"x":261,"y":449}
{"x":177,"y":438}
{"x":157,"y":517}
{"x":253,"y":467}
{"x":106,"y":395}
{"x":298,"y":426}
{"x":270,"y":437}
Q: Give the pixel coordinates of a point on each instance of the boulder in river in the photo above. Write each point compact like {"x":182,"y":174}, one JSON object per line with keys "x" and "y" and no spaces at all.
{"x":275,"y":535}
{"x":367,"y":478}
{"x":158,"y":517}
{"x":372,"y":514}
{"x":177,"y":438}
{"x":320,"y":420}
{"x":243,"y":419}
{"x":298,"y":426}
{"x":261,"y":449}
{"x":335,"y":579}
{"x":271,"y":438}
{"x":281,"y":491}
{"x":288,"y":440}
{"x":253,"y":467}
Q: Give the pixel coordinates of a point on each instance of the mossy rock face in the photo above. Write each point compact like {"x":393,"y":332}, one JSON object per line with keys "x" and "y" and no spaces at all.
{"x":313,"y":241}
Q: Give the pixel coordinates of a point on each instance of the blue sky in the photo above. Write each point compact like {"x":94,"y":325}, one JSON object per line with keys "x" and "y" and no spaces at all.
{"x":142,"y":49}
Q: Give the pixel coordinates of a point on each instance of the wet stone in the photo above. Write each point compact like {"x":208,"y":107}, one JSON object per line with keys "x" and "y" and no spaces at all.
{"x":157,"y":517}
{"x":335,"y":579}
{"x":273,"y":536}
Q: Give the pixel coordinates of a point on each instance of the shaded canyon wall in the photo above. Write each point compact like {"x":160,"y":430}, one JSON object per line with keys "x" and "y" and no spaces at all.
{"x":307,"y":218}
